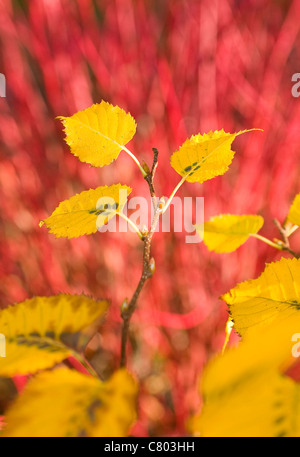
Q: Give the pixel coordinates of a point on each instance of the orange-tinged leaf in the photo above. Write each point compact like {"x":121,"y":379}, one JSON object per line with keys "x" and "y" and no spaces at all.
{"x":97,"y":134}
{"x":39,"y":331}
{"x":202,"y":157}
{"x":85,"y":213}
{"x":65,"y":403}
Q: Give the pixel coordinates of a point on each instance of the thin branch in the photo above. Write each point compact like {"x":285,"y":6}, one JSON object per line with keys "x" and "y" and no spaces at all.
{"x":277,"y":245}
{"x":282,"y":232}
{"x":150,"y":177}
{"x":292,"y":229}
{"x":287,"y":248}
{"x":135,"y":159}
{"x":132,"y":224}
{"x":267,"y":241}
{"x":174,"y":192}
{"x":294,"y":254}
{"x":128,"y":309}
{"x":285,"y":231}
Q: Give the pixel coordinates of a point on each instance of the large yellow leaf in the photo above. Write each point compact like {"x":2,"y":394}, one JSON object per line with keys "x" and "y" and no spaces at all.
{"x":38,"y":331}
{"x":269,"y":348}
{"x":65,"y":403}
{"x":84,"y":213}
{"x":245,"y":392}
{"x":257,"y":302}
{"x":203,"y":157}
{"x":97,"y":134}
{"x":227,"y":232}
{"x":294,"y":212}
{"x":260,"y":406}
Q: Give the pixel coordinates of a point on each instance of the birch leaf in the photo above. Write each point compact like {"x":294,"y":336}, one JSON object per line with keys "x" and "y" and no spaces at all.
{"x":265,"y":405}
{"x":39,"y":331}
{"x":97,"y":134}
{"x":294,"y":212}
{"x":275,"y":292}
{"x":65,"y":403}
{"x":84,"y":213}
{"x":227,"y":232}
{"x":202,"y":157}
{"x":245,"y":391}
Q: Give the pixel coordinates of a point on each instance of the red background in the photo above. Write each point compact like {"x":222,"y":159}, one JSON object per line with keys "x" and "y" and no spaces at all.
{"x":180,"y":68}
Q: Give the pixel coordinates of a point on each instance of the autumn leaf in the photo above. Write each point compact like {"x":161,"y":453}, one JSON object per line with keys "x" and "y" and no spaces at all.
{"x":84,"y":213}
{"x":227,"y":232}
{"x":294,"y":212}
{"x":257,"y":302}
{"x":246,"y":392}
{"x":260,"y":406}
{"x":65,"y":403}
{"x":97,"y":134}
{"x":39,"y":332}
{"x":202,"y":157}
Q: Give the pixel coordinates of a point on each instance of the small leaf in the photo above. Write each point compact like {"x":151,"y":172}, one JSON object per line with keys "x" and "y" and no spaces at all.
{"x":257,"y":302}
{"x":39,"y":331}
{"x":227,"y":232}
{"x":84,"y":213}
{"x":65,"y":403}
{"x":97,"y":134}
{"x":294,"y":212}
{"x":203,"y":157}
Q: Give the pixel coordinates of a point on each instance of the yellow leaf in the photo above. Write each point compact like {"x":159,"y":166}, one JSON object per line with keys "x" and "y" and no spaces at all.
{"x":259,"y":406}
{"x":39,"y":331}
{"x":97,"y":134}
{"x":257,"y":302}
{"x":227,"y":232}
{"x":203,"y":157}
{"x":84,"y":213}
{"x":245,"y":392}
{"x":269,"y":348}
{"x":294,"y":212}
{"x":65,"y":403}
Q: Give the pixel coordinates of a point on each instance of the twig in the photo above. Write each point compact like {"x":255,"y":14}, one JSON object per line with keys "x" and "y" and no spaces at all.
{"x":150,"y":176}
{"x":148,"y":264}
{"x":282,"y":232}
{"x":267,"y":241}
{"x":134,"y":158}
{"x":294,"y":254}
{"x":285,"y":232}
